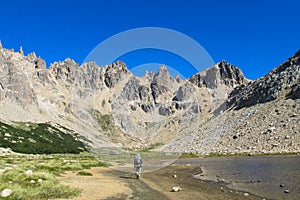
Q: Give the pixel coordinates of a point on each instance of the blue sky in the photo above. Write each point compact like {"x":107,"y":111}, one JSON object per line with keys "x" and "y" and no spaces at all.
{"x":251,"y":34}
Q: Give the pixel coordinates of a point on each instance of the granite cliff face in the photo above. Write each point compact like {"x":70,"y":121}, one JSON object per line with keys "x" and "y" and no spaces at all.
{"x":260,"y":116}
{"x":109,"y":105}
{"x":276,"y":83}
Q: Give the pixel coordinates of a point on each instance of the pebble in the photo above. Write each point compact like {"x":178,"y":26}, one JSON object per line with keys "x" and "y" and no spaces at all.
{"x":286,"y":191}
{"x":281,"y":185}
{"x":246,"y":194}
{"x":6,"y":192}
{"x":287,"y":137}
{"x":176,"y":189}
{"x":29,"y":172}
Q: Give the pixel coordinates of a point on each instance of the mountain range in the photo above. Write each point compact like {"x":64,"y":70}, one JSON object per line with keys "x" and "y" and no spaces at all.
{"x":214,"y":111}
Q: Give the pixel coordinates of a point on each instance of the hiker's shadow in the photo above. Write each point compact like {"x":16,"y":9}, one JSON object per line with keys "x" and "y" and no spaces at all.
{"x":127,"y":177}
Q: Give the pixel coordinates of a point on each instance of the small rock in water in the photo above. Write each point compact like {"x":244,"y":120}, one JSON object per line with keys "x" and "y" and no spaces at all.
{"x":286,"y":191}
{"x":246,"y":194}
{"x":6,"y":192}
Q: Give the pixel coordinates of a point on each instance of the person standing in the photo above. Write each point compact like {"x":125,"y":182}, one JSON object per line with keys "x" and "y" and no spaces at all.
{"x":138,"y":163}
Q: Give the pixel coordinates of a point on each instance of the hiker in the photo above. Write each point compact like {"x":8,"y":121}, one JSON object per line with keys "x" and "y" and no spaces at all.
{"x":137,"y":165}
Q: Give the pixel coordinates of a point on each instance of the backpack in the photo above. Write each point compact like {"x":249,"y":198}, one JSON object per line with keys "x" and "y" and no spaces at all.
{"x":138,"y":162}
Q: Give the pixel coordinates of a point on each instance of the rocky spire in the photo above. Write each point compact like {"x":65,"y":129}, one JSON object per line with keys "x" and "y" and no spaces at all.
{"x":0,"y":44}
{"x":178,"y":78}
{"x":163,"y":70}
{"x":21,"y":51}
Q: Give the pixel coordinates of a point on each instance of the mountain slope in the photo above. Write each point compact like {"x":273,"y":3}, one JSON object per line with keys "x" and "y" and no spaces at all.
{"x":109,"y":106}
{"x":261,"y":116}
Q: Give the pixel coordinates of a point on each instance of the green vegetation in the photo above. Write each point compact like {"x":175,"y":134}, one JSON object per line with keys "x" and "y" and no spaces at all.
{"x":84,"y":173}
{"x":106,"y":122}
{"x":35,"y":176}
{"x":26,"y":126}
{"x":32,"y":138}
{"x":103,"y":103}
{"x":189,"y":155}
{"x":152,"y":147}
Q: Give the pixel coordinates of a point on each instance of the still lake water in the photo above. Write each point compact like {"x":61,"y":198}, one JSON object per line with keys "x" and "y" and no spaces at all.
{"x":259,"y":175}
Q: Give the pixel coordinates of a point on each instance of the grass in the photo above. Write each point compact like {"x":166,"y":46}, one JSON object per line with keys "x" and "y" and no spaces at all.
{"x":84,"y":173}
{"x":152,"y":147}
{"x":189,"y":155}
{"x":42,"y":182}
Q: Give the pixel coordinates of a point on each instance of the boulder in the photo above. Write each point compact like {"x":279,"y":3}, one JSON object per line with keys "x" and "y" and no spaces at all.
{"x":6,"y":192}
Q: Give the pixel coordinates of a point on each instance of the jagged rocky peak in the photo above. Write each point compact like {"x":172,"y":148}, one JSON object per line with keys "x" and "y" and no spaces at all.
{"x":65,"y":70}
{"x":231,"y":75}
{"x":178,"y":78}
{"x":31,"y":57}
{"x":220,"y":73}
{"x":162,"y":84}
{"x":282,"y":80}
{"x":117,"y":67}
{"x":115,"y":73}
{"x":148,"y":75}
{"x":39,"y":63}
{"x":164,"y":73}
{"x":89,"y":66}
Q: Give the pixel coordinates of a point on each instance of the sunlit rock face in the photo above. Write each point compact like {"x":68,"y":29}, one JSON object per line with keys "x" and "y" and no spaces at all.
{"x":217,"y":110}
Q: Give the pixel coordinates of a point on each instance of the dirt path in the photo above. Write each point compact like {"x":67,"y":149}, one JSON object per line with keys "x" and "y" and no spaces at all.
{"x":98,"y":186}
{"x":109,"y":184}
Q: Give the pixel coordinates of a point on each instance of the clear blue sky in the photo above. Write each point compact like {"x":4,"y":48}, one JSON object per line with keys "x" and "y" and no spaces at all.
{"x":255,"y":35}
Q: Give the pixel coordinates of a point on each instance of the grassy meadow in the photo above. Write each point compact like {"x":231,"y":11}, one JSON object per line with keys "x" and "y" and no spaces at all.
{"x":35,"y":176}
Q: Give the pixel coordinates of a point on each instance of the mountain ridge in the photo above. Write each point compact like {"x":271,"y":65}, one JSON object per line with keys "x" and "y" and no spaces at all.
{"x":110,"y":105}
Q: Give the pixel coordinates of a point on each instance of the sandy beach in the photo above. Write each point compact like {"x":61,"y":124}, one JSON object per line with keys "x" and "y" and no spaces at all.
{"x":106,"y":183}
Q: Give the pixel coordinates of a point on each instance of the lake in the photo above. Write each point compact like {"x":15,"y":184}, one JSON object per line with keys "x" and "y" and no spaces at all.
{"x":265,"y":176}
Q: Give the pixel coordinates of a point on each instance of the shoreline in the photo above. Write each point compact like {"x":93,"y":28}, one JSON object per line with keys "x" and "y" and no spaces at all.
{"x":106,"y":183}
{"x":214,"y":155}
